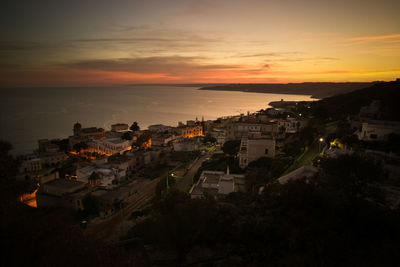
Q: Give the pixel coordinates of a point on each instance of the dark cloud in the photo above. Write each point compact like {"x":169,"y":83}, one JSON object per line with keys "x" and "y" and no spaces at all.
{"x":19,"y":46}
{"x":272,"y":54}
{"x":168,"y":65}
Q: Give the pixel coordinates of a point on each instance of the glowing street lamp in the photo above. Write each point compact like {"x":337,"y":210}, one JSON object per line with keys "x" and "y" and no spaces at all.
{"x":319,"y":144}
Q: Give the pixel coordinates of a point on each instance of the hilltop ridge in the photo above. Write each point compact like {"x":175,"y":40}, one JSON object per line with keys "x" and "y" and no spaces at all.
{"x":316,"y":89}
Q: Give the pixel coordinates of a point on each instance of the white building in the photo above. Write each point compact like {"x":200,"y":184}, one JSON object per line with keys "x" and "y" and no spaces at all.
{"x":107,"y":174}
{"x":254,"y":147}
{"x":374,"y":130}
{"x":110,"y":146}
{"x":215,"y":183}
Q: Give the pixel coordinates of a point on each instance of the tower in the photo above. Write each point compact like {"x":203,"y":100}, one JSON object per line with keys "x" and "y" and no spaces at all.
{"x":77,"y":129}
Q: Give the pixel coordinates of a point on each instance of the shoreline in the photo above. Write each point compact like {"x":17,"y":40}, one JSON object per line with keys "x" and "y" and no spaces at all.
{"x":315,"y":90}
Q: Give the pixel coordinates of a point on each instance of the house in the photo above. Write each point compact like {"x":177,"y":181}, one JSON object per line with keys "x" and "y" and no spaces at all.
{"x":255,"y":146}
{"x":53,"y":158}
{"x":109,"y":146}
{"x":85,"y":134}
{"x":374,"y":130}
{"x":190,"y":131}
{"x":62,"y":193}
{"x":159,"y":128}
{"x":218,"y":134}
{"x":214,"y":183}
{"x":48,"y":146}
{"x":30,"y":164}
{"x":275,"y":111}
{"x":290,"y":125}
{"x":161,"y":139}
{"x":119,"y":127}
{"x":236,"y":130}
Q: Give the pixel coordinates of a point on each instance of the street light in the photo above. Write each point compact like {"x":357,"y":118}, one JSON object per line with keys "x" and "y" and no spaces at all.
{"x":319,"y":144}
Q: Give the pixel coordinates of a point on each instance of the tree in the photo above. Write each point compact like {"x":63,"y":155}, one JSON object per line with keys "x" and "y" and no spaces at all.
{"x":145,"y":137}
{"x":134,"y":127}
{"x":127,"y":136}
{"x":8,"y":166}
{"x":63,"y":144}
{"x":209,"y":138}
{"x":231,"y":147}
{"x":90,"y":205}
{"x":79,"y":146}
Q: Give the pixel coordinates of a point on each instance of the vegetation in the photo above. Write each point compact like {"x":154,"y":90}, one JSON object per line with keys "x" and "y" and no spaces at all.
{"x":340,"y":106}
{"x":218,"y":163}
{"x":209,"y":138}
{"x":143,"y":138}
{"x":80,"y":146}
{"x":127,"y":136}
{"x":231,"y":147}
{"x":158,"y":170}
{"x":184,"y":156}
{"x":303,"y":223}
{"x":263,"y":171}
{"x":134,"y":127}
{"x":391,"y":145}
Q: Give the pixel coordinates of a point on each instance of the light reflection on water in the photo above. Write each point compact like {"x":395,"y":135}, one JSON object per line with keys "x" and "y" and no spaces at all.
{"x":29,"y":114}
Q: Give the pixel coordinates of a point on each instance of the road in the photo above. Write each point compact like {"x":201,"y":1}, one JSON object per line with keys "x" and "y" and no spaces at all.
{"x":112,"y":227}
{"x":106,"y":228}
{"x":186,"y":181}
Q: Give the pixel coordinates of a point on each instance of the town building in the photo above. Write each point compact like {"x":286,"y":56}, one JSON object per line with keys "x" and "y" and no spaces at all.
{"x":160,"y":128}
{"x":215,"y":183}
{"x":374,"y":130}
{"x":30,"y":164}
{"x":290,"y":125}
{"x":190,"y":131}
{"x":275,"y":111}
{"x":85,"y":134}
{"x":62,"y":193}
{"x":119,"y":127}
{"x":48,"y":146}
{"x":255,"y":146}
{"x":161,"y":139}
{"x":218,"y":134}
{"x":52,"y":158}
{"x":236,"y":130}
{"x":109,"y":146}
{"x":106,"y":175}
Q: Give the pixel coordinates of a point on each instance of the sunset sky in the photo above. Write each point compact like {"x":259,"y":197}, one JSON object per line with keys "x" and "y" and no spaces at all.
{"x":47,"y":43}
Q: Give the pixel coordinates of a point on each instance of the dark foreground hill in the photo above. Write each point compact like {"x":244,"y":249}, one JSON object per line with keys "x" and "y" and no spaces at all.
{"x":337,"y":106}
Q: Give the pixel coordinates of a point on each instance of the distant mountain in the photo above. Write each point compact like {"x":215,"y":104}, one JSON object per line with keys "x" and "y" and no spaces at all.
{"x":317,"y":90}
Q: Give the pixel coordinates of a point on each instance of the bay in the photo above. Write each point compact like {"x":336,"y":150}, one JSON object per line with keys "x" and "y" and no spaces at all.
{"x":30,"y":114}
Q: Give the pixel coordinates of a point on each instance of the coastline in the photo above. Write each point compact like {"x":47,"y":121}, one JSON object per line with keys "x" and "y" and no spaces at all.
{"x":315,"y":90}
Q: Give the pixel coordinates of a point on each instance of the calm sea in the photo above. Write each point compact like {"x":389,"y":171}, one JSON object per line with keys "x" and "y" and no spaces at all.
{"x":29,"y":114}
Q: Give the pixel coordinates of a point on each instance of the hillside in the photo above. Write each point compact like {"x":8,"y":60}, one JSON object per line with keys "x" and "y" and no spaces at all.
{"x":350,"y":103}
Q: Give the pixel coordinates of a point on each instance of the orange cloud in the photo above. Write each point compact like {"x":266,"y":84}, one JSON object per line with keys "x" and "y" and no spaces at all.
{"x":376,"y":37}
